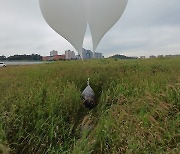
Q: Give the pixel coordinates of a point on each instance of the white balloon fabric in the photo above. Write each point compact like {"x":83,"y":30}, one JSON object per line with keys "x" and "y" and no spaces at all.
{"x":69,"y":18}
{"x":102,"y":15}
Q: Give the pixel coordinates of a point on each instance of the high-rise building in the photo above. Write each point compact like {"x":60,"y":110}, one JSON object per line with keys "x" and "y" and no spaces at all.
{"x":70,"y":54}
{"x":53,"y":53}
{"x":152,"y":56}
{"x":98,"y":55}
{"x":88,"y":54}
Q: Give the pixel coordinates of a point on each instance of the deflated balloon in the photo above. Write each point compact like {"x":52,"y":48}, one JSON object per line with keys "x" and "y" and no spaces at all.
{"x":68,"y":18}
{"x":102,"y":15}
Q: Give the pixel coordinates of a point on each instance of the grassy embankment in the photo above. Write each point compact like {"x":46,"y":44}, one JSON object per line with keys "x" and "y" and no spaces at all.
{"x":138,"y":107}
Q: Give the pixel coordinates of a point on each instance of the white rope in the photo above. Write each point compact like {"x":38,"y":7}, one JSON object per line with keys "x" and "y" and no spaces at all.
{"x":88,"y":81}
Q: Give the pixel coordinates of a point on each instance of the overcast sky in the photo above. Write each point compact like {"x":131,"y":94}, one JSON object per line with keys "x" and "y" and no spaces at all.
{"x":147,"y":27}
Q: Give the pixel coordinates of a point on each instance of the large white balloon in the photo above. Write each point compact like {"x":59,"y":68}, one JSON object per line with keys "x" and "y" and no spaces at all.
{"x":68,"y":18}
{"x":102,"y":15}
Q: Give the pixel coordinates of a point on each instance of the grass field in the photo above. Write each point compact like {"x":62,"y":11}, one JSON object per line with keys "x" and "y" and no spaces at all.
{"x":138,"y":107}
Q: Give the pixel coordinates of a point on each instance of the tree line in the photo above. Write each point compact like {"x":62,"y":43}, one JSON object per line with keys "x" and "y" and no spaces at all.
{"x":122,"y":57}
{"x":22,"y":57}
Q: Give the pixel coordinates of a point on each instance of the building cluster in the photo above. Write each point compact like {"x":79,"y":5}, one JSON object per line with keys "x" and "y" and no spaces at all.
{"x":53,"y":56}
{"x":70,"y":55}
{"x":88,"y":54}
{"x":159,"y":56}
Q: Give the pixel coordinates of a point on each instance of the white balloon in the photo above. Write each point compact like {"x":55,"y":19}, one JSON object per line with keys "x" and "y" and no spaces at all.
{"x":102,"y":15}
{"x":68,"y":18}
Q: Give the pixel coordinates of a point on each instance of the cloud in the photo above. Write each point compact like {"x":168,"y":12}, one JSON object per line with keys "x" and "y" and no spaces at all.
{"x":146,"y":28}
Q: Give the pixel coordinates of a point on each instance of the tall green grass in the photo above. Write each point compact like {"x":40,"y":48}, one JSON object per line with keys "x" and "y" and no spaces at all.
{"x":138,"y":107}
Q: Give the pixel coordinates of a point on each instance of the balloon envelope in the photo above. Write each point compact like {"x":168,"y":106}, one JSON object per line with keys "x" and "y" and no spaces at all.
{"x":68,"y":18}
{"x":102,"y":15}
